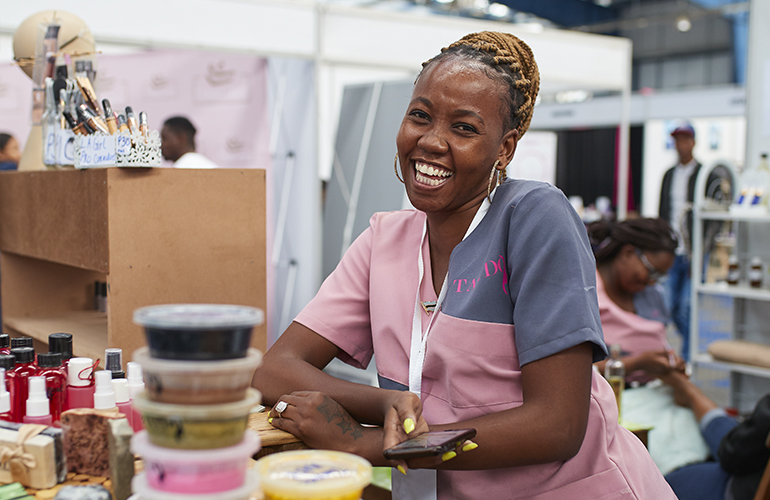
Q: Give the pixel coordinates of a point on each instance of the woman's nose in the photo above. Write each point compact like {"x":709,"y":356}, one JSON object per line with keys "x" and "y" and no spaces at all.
{"x":433,"y":141}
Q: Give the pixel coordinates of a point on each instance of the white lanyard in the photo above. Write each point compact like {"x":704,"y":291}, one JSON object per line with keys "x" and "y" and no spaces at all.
{"x":420,"y":340}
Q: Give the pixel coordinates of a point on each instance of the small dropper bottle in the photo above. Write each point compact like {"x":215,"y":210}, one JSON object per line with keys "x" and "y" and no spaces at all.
{"x":55,"y":382}
{"x":135,"y":386}
{"x":24,"y":369}
{"x":5,"y":399}
{"x":104,"y":397}
{"x":114,"y":362}
{"x":22,"y":342}
{"x":38,"y":409}
{"x":5,"y":343}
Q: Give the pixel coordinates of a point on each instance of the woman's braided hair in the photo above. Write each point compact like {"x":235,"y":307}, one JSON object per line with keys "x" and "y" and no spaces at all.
{"x":607,"y":237}
{"x":512,"y":63}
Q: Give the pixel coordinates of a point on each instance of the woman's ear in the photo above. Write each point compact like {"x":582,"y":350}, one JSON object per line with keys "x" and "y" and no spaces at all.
{"x":508,"y":147}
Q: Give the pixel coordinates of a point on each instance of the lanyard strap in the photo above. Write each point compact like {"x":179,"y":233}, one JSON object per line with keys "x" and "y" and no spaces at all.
{"x":419,"y":340}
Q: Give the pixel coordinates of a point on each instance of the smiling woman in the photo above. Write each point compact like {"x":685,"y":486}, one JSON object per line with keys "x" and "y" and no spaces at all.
{"x":480,"y":305}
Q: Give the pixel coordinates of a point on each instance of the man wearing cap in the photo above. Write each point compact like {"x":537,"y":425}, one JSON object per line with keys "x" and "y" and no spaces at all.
{"x":676,"y":197}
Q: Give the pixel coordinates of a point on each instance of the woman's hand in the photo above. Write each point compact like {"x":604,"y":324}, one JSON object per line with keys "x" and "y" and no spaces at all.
{"x":319,"y":421}
{"x":655,"y":363}
{"x":403,"y":419}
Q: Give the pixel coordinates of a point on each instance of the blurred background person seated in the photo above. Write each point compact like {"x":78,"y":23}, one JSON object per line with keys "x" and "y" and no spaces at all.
{"x":738,"y":451}
{"x":632,"y":258}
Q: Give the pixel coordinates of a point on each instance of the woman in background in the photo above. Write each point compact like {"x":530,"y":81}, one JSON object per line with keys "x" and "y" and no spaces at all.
{"x":10,"y":154}
{"x":631,"y":258}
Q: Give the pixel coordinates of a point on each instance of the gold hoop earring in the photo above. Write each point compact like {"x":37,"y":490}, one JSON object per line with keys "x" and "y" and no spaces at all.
{"x":492,"y":176}
{"x":395,"y":167}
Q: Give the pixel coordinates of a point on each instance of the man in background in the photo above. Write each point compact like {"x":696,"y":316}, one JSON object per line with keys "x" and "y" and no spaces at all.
{"x":178,"y":144}
{"x":676,"y":198}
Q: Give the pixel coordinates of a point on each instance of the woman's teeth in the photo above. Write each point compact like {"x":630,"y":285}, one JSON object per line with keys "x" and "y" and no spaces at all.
{"x":426,"y":174}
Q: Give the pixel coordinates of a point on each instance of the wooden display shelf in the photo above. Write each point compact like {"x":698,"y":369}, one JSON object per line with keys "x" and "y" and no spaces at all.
{"x":155,"y":235}
{"x":91,"y":328}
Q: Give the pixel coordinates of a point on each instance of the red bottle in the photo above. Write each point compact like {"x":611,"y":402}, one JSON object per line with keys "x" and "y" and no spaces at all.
{"x":7,"y":363}
{"x":25,"y":368}
{"x":80,"y":382}
{"x":5,"y":343}
{"x":55,"y":382}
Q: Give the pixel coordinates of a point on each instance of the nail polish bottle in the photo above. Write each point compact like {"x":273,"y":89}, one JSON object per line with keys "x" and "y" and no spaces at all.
{"x":8,"y":363}
{"x":135,"y":386}
{"x":104,"y":396}
{"x":24,"y":369}
{"x":122,"y":399}
{"x":37,"y":409}
{"x":55,"y":382}
{"x":80,"y":383}
{"x":5,"y":343}
{"x":61,"y":343}
{"x":114,"y":362}
{"x":5,"y":399}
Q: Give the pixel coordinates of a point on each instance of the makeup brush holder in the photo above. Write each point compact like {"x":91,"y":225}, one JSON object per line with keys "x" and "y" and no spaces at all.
{"x":121,"y":150}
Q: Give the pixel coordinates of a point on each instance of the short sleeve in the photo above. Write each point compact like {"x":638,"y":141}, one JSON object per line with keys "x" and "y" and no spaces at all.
{"x":553,"y":278}
{"x":340,"y":310}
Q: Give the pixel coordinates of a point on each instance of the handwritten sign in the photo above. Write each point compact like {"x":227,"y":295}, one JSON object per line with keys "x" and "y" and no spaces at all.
{"x":97,"y":151}
{"x":59,"y":147}
{"x":123,"y":144}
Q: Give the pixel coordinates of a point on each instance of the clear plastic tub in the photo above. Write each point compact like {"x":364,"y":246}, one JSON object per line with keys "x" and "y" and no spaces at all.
{"x":196,"y":427}
{"x":195,"y":471}
{"x":198,"y":331}
{"x":197,"y":382}
{"x":313,"y":475}
{"x":143,"y":491}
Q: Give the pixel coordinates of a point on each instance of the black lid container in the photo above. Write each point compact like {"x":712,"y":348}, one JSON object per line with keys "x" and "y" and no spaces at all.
{"x":22,"y":342}
{"x":23,"y":354}
{"x":7,"y":361}
{"x":49,"y":360}
{"x":61,"y":343}
{"x":5,"y":340}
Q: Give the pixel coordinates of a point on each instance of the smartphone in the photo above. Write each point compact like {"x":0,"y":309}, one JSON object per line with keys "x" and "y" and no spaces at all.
{"x":429,"y":444}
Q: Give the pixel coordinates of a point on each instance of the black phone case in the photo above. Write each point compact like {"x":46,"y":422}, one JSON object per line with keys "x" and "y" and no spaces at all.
{"x":402,"y":450}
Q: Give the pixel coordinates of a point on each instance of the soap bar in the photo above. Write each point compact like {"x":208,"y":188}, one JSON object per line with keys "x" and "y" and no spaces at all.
{"x":91,"y":492}
{"x":121,"y":458}
{"x":38,"y":462}
{"x":86,"y":440}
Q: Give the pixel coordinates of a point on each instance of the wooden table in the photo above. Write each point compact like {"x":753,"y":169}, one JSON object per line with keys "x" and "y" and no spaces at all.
{"x":273,"y":440}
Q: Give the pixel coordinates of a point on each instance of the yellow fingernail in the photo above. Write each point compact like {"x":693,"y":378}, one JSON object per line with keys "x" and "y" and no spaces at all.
{"x":448,"y":456}
{"x":401,"y":469}
{"x":408,"y":425}
{"x":470,"y":446}
{"x":270,"y":420}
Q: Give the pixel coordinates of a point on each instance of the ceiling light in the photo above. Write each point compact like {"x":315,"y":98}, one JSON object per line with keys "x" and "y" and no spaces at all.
{"x":499,"y":10}
{"x":683,"y":23}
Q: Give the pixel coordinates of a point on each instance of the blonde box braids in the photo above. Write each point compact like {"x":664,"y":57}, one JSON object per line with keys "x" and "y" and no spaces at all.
{"x":509,"y":56}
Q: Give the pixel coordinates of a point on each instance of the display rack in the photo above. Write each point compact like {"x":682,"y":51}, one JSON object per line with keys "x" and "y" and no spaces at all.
{"x":154,"y":235}
{"x":750,"y":311}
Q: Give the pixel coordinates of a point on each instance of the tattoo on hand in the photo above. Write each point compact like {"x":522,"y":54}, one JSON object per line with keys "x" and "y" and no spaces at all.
{"x":333,"y":411}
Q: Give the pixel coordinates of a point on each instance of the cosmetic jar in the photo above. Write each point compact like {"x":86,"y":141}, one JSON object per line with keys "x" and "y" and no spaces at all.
{"x":196,"y":427}
{"x":143,"y":491}
{"x":195,"y":471}
{"x":198,"y":332}
{"x":313,"y":475}
{"x":197,"y":382}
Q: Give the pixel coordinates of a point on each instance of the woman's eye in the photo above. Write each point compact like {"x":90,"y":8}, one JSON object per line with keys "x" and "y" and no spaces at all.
{"x":466,"y":128}
{"x":419,"y":114}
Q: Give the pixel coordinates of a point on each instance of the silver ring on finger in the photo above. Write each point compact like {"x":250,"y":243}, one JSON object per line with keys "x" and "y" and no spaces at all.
{"x":281,"y":407}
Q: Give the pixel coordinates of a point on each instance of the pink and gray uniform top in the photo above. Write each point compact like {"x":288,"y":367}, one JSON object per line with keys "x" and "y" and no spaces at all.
{"x":521,"y":287}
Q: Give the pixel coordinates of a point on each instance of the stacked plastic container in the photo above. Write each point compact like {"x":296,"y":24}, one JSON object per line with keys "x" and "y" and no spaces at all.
{"x":198,"y":368}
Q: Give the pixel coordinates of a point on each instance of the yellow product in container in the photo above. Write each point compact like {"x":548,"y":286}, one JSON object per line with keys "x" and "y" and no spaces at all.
{"x":196,"y":427}
{"x":313,"y":475}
